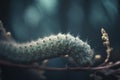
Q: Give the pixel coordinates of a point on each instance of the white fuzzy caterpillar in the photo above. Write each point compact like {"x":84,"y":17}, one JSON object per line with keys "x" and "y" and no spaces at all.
{"x":48,"y":47}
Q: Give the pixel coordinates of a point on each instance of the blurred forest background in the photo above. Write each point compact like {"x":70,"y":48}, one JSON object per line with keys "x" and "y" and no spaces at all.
{"x":30,"y":19}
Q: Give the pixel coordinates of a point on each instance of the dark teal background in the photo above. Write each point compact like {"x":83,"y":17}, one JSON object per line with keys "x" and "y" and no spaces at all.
{"x":30,"y":19}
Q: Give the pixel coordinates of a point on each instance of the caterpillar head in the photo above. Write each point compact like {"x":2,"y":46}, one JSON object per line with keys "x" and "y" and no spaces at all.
{"x":83,"y":55}
{"x":85,"y":58}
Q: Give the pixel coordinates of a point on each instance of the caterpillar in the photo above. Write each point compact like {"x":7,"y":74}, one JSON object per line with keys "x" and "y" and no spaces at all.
{"x":46,"y":48}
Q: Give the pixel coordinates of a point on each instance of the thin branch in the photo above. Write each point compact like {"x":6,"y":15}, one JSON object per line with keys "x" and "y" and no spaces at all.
{"x":106,"y":42}
{"x":4,"y":33}
{"x":59,"y":69}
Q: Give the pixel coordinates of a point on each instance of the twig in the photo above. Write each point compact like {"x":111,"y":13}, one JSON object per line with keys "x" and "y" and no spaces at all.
{"x":106,"y":42}
{"x":4,"y":33}
{"x":5,"y":63}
